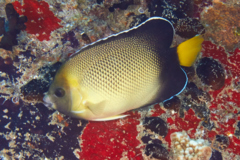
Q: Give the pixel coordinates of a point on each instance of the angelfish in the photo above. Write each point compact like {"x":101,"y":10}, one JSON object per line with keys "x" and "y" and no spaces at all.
{"x":125,"y":71}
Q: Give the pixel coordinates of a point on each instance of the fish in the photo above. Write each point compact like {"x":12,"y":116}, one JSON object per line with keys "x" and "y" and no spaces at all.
{"x":125,"y":71}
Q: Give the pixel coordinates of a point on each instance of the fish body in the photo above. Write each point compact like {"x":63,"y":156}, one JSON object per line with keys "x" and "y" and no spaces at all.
{"x":125,"y":71}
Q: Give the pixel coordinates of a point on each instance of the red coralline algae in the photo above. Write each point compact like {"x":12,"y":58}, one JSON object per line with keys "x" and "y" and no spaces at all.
{"x":41,"y":21}
{"x":118,"y":138}
{"x":189,"y":124}
{"x":157,"y":110}
{"x":224,"y":105}
{"x":226,"y":101}
{"x":230,"y":60}
{"x":231,"y":63}
{"x":121,"y":139}
{"x":111,"y":139}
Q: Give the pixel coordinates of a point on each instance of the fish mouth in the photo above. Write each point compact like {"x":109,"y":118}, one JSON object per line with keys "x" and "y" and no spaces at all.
{"x":47,"y":102}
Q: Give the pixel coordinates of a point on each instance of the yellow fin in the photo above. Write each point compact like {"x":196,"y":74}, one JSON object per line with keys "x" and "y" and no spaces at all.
{"x":188,"y":50}
{"x":110,"y":118}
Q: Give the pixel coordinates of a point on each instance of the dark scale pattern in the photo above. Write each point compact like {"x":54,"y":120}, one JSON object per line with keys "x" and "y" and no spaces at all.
{"x":211,"y":73}
{"x":121,"y":64}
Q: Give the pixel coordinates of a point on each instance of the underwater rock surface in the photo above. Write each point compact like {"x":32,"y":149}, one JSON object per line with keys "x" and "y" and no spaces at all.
{"x":11,"y":27}
{"x":157,"y":151}
{"x":205,"y":111}
{"x":211,"y":73}
{"x":156,"y":125}
{"x":221,"y":21}
{"x":33,"y":131}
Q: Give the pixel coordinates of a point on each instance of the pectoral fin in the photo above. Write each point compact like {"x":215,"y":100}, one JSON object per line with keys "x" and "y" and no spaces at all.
{"x":98,"y":108}
{"x":110,"y":118}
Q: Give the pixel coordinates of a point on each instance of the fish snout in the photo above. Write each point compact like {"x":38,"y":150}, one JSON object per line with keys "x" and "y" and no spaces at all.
{"x":47,"y":102}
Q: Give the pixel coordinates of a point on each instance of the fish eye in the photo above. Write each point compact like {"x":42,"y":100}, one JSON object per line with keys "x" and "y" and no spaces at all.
{"x":59,"y":92}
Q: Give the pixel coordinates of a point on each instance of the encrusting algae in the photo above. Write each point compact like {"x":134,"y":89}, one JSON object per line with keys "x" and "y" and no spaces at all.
{"x":207,"y":109}
{"x":221,"y":21}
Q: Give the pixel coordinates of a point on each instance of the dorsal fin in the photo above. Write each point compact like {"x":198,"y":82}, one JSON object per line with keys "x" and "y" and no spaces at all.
{"x":159,"y":31}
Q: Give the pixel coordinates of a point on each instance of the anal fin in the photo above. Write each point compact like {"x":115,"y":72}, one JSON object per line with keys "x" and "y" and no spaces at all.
{"x":110,"y":118}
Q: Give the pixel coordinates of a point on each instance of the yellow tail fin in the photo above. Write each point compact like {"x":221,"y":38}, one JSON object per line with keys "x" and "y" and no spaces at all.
{"x":188,"y":50}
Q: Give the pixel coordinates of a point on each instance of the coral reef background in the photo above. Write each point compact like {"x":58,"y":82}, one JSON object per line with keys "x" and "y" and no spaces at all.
{"x":37,"y":36}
